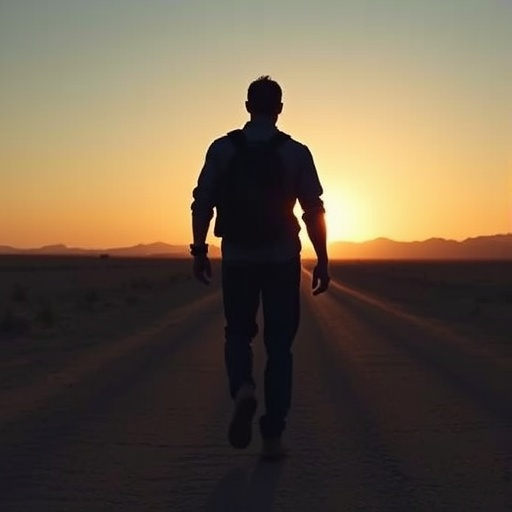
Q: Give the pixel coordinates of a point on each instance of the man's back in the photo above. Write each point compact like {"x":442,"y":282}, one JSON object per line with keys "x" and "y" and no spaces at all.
{"x":254,"y":207}
{"x":300,"y":181}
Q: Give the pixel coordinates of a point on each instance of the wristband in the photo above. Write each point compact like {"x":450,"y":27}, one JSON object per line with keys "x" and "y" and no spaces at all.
{"x":198,"y":250}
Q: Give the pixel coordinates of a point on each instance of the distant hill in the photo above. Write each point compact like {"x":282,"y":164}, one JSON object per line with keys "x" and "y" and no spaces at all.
{"x":496,"y":247}
{"x":157,"y":249}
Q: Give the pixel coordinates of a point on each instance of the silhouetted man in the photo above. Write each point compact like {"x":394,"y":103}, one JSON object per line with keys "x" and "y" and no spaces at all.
{"x":253,"y":178}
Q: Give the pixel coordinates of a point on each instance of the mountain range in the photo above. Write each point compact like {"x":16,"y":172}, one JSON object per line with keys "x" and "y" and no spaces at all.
{"x":494,"y":247}
{"x":157,"y":249}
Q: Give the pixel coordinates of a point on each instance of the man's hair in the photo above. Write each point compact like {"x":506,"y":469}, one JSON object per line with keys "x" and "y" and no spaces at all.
{"x":264,"y":96}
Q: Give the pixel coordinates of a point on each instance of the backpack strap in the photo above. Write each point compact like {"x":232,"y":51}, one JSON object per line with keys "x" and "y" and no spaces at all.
{"x":278,"y":139}
{"x":238,"y":138}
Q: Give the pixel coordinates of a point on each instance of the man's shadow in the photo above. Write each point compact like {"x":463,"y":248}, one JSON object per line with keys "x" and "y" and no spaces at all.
{"x":244,"y":489}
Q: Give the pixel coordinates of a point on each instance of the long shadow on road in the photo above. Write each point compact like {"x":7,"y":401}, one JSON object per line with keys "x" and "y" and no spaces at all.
{"x":241,"y":490}
{"x":479,"y":380}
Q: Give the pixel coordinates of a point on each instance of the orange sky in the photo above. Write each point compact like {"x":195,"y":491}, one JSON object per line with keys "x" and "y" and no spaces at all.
{"x":107,"y":109}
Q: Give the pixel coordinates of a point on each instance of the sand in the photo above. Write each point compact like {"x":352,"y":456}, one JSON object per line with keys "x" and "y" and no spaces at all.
{"x":125,"y":407}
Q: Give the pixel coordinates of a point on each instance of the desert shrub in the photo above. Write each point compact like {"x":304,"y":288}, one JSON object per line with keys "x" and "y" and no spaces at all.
{"x":173,"y":279}
{"x":140,"y":283}
{"x":89,"y":300}
{"x":13,"y":324}
{"x":132,"y":300}
{"x":507,"y":296}
{"x":46,"y":315}
{"x":483,"y":298}
{"x":19,"y":293}
{"x":179,"y":277}
{"x":476,"y":309}
{"x":91,"y":297}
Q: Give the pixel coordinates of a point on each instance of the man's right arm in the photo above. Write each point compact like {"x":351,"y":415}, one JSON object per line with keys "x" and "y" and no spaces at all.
{"x":204,"y":193}
{"x":202,"y":213}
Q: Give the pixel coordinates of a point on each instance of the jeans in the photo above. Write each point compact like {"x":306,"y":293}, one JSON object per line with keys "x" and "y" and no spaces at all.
{"x":278,"y":286}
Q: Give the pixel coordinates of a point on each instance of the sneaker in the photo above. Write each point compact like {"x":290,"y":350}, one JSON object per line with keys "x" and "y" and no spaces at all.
{"x":273,"y":449}
{"x":240,"y":428}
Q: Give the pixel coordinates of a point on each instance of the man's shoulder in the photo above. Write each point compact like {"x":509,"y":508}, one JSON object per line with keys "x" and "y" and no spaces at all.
{"x":297,"y":145}
{"x":220,"y":148}
{"x":296,"y":149}
{"x":220,"y":142}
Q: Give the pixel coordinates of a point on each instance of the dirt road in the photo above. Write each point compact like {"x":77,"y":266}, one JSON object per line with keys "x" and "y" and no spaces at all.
{"x":390,"y":413}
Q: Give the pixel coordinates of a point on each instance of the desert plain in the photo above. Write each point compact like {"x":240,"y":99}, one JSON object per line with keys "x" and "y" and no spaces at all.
{"x":113,"y":394}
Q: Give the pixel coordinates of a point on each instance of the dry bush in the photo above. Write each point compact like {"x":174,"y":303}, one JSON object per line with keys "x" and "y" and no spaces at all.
{"x":140,"y":283}
{"x":91,"y":299}
{"x":132,"y":300}
{"x":507,"y":296}
{"x":178,"y":277}
{"x":13,"y":324}
{"x":19,"y":293}
{"x":46,"y":315}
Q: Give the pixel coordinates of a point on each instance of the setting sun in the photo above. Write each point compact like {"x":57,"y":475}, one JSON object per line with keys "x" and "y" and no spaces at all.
{"x":344,"y":217}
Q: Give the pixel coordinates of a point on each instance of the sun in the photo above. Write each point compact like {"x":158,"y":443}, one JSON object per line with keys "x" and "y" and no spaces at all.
{"x":343,"y":217}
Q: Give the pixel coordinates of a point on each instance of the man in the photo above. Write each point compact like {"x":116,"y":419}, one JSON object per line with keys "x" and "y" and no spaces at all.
{"x":260,"y":254}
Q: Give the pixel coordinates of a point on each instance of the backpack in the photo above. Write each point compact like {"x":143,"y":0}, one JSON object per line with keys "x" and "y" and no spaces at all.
{"x":253,"y":207}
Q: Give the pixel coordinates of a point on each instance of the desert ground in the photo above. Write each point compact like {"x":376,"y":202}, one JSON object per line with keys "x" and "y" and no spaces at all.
{"x":113,"y":394}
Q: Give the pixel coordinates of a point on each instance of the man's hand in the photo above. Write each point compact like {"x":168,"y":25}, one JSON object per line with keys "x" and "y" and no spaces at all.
{"x":321,"y":278}
{"x":202,"y":268}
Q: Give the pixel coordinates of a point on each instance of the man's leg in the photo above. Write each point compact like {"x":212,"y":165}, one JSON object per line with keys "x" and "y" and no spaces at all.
{"x":281,"y":313}
{"x":241,"y":300}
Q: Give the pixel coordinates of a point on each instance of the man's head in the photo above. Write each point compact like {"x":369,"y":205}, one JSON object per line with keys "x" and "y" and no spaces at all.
{"x":264,"y":98}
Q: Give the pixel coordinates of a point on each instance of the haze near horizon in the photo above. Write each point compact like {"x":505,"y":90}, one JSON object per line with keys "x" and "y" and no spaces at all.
{"x":107,"y":109}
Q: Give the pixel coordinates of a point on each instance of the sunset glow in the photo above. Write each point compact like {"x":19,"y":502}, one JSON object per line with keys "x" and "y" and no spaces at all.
{"x":107,"y":109}
{"x":345,"y":217}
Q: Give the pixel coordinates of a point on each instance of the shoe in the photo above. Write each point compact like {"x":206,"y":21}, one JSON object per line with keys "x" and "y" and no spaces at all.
{"x":273,"y":449}
{"x":240,"y":428}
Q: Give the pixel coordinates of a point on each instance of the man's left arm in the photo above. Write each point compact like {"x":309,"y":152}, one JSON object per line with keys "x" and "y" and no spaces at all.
{"x":309,"y":193}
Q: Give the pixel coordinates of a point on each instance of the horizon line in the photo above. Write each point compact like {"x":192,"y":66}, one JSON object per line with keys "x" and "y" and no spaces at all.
{"x":64,"y":245}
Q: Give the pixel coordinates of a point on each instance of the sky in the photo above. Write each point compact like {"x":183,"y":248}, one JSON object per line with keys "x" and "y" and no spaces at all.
{"x":107,"y":108}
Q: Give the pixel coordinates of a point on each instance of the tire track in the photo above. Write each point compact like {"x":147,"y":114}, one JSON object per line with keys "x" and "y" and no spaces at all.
{"x":455,"y":450}
{"x":474,"y":371}
{"x":17,"y":402}
{"x":340,"y":460}
{"x":125,"y":433}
